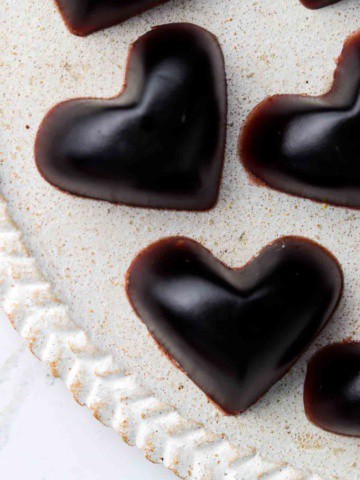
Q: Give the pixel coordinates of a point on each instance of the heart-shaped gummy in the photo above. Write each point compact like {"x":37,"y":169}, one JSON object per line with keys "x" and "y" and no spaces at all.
{"x":315,"y":4}
{"x":235,"y":332}
{"x":158,"y":144}
{"x":332,"y":389}
{"x":86,"y":16}
{"x":310,"y":146}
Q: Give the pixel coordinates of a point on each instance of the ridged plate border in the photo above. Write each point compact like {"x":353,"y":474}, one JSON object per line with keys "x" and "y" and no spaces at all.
{"x":114,"y":395}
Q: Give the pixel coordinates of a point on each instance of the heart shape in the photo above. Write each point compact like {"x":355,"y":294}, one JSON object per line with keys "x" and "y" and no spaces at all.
{"x":235,"y":332}
{"x":161,"y":142}
{"x":332,"y":389}
{"x":310,"y":146}
{"x":315,"y":4}
{"x":86,"y":16}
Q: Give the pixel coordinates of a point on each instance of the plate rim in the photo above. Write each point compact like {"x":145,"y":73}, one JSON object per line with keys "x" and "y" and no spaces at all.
{"x":111,"y":392}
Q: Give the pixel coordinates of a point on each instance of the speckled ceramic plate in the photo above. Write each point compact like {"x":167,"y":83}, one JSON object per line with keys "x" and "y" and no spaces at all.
{"x":79,"y":319}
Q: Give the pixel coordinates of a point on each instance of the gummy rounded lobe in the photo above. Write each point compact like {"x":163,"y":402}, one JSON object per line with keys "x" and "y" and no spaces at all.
{"x":235,"y":332}
{"x":315,"y":4}
{"x":159,"y":144}
{"x":332,"y":389}
{"x":86,"y":16}
{"x":310,"y":146}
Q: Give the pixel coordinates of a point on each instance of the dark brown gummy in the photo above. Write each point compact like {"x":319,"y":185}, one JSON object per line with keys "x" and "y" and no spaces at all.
{"x":315,"y":4}
{"x":160,"y":143}
{"x":332,"y":389}
{"x":235,"y":332}
{"x":310,"y":146}
{"x":86,"y":16}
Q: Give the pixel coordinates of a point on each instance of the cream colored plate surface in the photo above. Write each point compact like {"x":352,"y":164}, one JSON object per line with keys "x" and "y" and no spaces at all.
{"x":84,"y":247}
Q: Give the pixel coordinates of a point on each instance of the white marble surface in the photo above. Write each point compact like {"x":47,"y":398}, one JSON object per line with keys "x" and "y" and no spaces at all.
{"x":45,"y":435}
